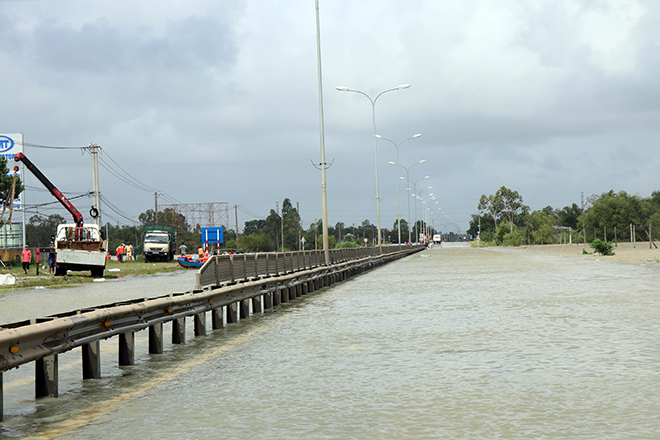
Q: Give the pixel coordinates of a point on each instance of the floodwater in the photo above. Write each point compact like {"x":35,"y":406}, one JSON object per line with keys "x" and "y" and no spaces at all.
{"x":453,"y":343}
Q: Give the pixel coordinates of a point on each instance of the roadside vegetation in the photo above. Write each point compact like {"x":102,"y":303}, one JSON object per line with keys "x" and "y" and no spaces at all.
{"x":610,"y":217}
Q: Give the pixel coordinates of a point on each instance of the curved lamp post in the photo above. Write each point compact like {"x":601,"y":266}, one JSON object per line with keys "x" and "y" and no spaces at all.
{"x":398,"y":209}
{"x":373,"y":117}
{"x":407,"y":189}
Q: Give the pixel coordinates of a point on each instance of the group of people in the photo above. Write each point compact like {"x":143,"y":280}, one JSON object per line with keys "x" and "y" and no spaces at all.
{"x":26,"y":259}
{"x":125,"y":252}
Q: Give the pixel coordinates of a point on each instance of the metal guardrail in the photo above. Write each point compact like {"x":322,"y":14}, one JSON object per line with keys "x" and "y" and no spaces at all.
{"x":222,"y":269}
{"x":254,"y":277}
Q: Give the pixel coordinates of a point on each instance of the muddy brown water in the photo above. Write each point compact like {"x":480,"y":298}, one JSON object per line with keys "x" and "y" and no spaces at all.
{"x":449,"y":343}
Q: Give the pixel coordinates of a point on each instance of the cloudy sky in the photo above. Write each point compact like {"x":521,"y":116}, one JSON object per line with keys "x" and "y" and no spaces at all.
{"x":217,"y":101}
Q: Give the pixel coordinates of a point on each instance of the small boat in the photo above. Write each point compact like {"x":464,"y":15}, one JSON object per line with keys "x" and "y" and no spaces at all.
{"x":192,"y":260}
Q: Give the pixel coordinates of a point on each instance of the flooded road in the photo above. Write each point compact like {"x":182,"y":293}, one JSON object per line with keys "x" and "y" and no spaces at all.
{"x":448,"y":343}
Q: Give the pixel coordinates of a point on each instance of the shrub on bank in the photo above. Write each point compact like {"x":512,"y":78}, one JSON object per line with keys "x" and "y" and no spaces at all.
{"x":602,"y":247}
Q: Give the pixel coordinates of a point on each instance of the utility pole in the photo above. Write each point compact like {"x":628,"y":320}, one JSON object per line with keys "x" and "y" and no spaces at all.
{"x":96,"y":209}
{"x":156,"y":206}
{"x":236,"y":217}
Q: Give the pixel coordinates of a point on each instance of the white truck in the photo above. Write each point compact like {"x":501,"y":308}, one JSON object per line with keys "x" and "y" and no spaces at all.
{"x":78,"y":246}
{"x":159,"y":243}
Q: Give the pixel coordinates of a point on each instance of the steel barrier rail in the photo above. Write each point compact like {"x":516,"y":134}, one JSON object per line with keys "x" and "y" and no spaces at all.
{"x":44,"y":338}
{"x":228,"y":268}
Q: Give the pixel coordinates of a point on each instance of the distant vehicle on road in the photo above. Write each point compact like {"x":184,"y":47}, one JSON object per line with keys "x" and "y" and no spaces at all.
{"x":437,"y":238}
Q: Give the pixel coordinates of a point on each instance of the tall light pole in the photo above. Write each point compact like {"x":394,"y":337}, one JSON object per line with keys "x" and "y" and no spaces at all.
{"x":407,"y":189}
{"x":419,"y":196}
{"x":322,"y":165}
{"x":398,"y":209}
{"x":415,"y":195}
{"x":373,"y":117}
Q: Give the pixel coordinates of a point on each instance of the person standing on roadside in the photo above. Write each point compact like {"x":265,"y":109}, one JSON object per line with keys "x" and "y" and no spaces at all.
{"x":51,"y":260}
{"x":26,"y":258}
{"x":183,"y":248}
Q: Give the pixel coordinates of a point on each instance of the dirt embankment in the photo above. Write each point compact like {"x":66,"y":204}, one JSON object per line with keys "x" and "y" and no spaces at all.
{"x":631,"y":253}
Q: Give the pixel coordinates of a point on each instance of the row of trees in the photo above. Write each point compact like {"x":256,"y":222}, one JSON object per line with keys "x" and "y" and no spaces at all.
{"x":260,"y":235}
{"x":503,"y":218}
{"x":265,"y":235}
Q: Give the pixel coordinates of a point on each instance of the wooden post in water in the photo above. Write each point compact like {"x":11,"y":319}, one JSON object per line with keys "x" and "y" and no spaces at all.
{"x":217,"y":318}
{"x":156,"y":338}
{"x":179,"y":331}
{"x":232,"y":316}
{"x":127,"y":348}
{"x":200,"y":324}
{"x":256,"y":304}
{"x":46,"y":377}
{"x":91,"y":360}
{"x":245,"y":309}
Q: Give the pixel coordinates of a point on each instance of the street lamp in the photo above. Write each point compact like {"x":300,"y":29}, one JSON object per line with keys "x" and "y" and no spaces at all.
{"x":415,"y":195}
{"x":373,"y":117}
{"x":407,"y":189}
{"x":426,"y":208}
{"x":398,"y":210}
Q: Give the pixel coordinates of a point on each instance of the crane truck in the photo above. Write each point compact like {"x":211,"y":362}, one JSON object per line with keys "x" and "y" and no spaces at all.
{"x":78,"y":246}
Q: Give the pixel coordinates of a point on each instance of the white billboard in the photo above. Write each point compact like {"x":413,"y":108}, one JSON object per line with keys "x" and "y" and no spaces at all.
{"x":10,"y":144}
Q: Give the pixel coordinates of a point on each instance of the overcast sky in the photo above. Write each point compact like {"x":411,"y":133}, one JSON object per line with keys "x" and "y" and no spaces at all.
{"x":217,"y":101}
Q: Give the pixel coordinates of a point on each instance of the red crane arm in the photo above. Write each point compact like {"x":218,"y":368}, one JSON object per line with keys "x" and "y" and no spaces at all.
{"x":77,"y":216}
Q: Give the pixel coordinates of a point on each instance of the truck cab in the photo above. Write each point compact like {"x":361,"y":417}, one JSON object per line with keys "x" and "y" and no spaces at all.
{"x":158,"y":246}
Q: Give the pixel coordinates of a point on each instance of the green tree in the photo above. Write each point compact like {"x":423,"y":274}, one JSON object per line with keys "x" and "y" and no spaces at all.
{"x":39,"y":229}
{"x":569,"y":216}
{"x":542,"y":228}
{"x":615,"y":210}
{"x":168,"y":217}
{"x":254,"y":226}
{"x":6,"y":180}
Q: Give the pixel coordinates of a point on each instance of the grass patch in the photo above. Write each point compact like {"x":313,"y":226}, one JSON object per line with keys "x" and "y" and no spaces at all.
{"x":44,"y":279}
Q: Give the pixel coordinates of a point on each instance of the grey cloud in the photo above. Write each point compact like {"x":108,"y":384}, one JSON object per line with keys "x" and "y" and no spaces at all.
{"x":99,"y":48}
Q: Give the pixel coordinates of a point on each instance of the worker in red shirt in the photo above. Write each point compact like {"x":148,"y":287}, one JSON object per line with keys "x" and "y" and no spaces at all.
{"x":26,"y":258}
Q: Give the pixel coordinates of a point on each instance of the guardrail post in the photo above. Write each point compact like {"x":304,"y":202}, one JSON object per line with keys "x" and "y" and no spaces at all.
{"x":91,"y":360}
{"x":198,"y":281}
{"x":46,"y":377}
{"x":268,"y":301}
{"x":217,"y":319}
{"x":1,"y":399}
{"x":245,"y":309}
{"x":277,"y":298}
{"x":179,"y":331}
{"x":256,"y":304}
{"x":216,"y":265}
{"x":284,"y":296}
{"x":156,"y":338}
{"x":127,"y":348}
{"x":231,"y":268}
{"x":200,"y":324}
{"x":232,"y":317}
